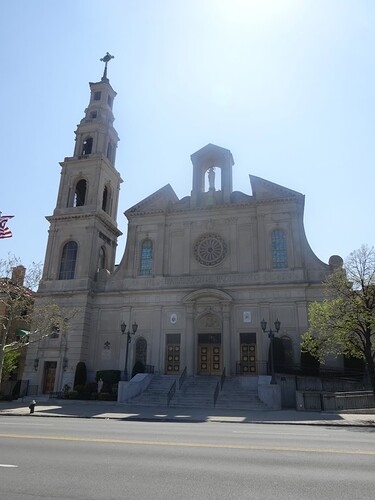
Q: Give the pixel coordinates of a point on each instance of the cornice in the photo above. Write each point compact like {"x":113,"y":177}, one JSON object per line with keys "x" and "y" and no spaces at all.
{"x":85,"y":216}
{"x":172,"y":209}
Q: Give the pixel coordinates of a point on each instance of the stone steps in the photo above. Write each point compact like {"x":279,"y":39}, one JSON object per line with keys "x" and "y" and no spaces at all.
{"x":198,"y":392}
{"x":156,"y":392}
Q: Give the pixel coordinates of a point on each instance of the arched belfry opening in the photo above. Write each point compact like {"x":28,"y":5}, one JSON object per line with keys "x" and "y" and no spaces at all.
{"x":212,"y":175}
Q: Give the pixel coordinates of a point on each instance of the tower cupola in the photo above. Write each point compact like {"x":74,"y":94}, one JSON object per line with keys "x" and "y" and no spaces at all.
{"x":95,"y":134}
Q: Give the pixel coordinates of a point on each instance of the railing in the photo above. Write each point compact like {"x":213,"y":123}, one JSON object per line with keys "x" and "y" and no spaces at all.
{"x":149,"y":368}
{"x":222,"y":379}
{"x":219,"y":386}
{"x":314,"y":400}
{"x":171,"y":392}
{"x":182,"y":378}
{"x":14,"y":388}
{"x":216,"y":392}
{"x":261,"y":368}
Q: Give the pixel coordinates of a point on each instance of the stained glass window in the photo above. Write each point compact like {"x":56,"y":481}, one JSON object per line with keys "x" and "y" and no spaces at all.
{"x":279,"y":254}
{"x":146,"y":258}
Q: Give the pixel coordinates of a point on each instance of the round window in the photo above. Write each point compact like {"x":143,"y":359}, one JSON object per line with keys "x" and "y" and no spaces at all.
{"x":210,"y":249}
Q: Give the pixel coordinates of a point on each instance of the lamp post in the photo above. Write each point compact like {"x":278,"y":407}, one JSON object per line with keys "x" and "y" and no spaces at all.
{"x":271,"y":336}
{"x":128,"y":340}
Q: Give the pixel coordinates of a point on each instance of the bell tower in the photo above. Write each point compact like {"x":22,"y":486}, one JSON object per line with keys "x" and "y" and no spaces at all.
{"x":83,"y":228}
{"x":205,"y":161}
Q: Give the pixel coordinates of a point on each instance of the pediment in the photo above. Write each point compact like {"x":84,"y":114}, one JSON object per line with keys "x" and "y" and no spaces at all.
{"x":156,"y":202}
{"x":266,"y":190}
{"x":207,"y":295}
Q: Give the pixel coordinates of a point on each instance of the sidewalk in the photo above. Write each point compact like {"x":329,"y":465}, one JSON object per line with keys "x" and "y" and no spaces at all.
{"x":111,"y":410}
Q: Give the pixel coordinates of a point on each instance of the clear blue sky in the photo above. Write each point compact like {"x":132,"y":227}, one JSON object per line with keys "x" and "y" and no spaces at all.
{"x":287,"y":85}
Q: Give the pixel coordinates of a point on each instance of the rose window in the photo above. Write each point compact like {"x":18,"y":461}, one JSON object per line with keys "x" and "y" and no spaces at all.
{"x":210,"y":249}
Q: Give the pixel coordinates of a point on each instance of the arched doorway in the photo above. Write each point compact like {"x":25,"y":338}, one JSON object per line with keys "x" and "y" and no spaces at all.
{"x":141,"y":351}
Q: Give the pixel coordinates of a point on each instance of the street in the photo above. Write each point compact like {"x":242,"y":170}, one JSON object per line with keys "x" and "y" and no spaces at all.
{"x":73,"y":458}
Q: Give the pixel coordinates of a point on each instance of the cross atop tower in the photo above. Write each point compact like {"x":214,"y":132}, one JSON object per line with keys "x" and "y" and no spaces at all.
{"x":106,"y":60}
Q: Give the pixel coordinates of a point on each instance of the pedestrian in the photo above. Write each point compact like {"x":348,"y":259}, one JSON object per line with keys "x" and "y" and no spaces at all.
{"x":32,"y":406}
{"x":100,"y":385}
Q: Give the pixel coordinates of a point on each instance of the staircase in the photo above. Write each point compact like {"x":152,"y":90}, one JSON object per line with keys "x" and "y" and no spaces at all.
{"x":235,"y":396}
{"x":156,"y":392}
{"x":198,"y":392}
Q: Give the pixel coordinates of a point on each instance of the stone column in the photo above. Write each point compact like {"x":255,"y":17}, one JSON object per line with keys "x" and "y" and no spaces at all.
{"x":190,"y":343}
{"x":226,"y":339}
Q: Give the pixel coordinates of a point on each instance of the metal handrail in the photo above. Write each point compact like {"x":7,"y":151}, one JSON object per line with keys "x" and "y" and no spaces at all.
{"x":182,"y":378}
{"x":171,"y":392}
{"x":216,"y":392}
{"x":222,"y":379}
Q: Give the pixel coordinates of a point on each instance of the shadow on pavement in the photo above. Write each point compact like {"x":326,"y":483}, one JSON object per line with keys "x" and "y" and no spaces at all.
{"x":127,"y":412}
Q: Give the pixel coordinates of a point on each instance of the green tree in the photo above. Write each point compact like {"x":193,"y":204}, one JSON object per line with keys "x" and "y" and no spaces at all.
{"x":17,"y":311}
{"x":344,"y":323}
{"x":10,"y":363}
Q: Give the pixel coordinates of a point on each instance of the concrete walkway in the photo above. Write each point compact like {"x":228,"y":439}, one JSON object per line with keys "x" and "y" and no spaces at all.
{"x":111,"y":410}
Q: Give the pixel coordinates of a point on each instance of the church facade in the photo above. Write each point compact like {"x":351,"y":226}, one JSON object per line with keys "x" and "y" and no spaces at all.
{"x":198,"y":275}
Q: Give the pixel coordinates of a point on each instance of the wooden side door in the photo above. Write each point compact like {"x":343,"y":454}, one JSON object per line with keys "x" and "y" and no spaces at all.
{"x":49,"y":376}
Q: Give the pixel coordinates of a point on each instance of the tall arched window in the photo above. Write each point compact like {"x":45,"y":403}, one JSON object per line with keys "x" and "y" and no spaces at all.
{"x":288,"y":353}
{"x":101,"y":262}
{"x":145,"y":267}
{"x":87,"y":146}
{"x":80,"y":193}
{"x":68,"y":261}
{"x":279,"y":254}
{"x":110,"y":152}
{"x":105,"y":199}
{"x":141,"y":351}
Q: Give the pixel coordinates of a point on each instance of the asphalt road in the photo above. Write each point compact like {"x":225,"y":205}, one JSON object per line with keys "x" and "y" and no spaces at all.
{"x":68,"y":458}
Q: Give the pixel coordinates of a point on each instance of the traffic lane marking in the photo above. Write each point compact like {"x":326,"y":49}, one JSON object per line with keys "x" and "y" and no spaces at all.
{"x":190,"y":445}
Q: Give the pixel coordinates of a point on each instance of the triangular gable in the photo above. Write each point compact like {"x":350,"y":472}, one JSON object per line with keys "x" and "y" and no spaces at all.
{"x":157,"y":201}
{"x":265,"y":190}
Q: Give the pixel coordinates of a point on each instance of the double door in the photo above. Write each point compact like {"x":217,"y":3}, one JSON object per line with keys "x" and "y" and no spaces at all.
{"x":209,"y":354}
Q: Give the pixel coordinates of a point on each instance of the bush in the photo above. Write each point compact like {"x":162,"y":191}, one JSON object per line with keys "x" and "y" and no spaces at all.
{"x":80,"y":376}
{"x":108,"y":376}
{"x":139,"y":367}
{"x":73,"y":395}
{"x":91,"y":387}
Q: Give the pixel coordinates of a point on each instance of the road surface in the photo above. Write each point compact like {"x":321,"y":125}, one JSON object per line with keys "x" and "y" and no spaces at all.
{"x":73,"y":458}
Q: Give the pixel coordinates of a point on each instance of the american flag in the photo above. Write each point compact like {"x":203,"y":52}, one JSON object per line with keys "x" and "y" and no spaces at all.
{"x":5,"y":232}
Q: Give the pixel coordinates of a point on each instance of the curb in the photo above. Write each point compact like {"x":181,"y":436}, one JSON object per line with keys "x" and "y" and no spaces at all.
{"x":223,"y":420}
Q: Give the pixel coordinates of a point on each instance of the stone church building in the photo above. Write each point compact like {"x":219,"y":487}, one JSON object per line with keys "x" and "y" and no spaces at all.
{"x":198,"y":274}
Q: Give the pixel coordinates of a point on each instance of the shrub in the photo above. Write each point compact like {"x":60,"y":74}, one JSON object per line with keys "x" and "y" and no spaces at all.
{"x":108,"y":376}
{"x":139,"y":367}
{"x":73,"y":395}
{"x":91,"y":387}
{"x":80,"y":376}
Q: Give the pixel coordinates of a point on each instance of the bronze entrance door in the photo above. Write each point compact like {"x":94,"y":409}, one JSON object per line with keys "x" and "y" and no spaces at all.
{"x":173,"y":354}
{"x":248,"y":361}
{"x":209,"y":354}
{"x":49,"y":376}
